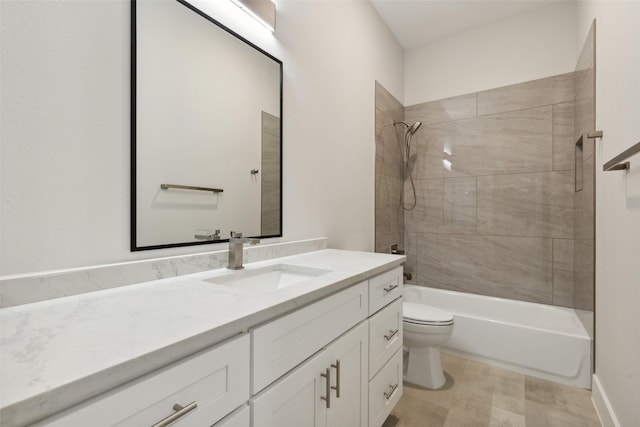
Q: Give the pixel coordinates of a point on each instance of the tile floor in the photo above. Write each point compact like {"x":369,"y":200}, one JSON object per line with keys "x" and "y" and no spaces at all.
{"x":478,"y":395}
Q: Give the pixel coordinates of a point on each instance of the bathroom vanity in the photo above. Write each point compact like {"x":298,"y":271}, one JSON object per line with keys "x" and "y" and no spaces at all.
{"x":306,"y":340}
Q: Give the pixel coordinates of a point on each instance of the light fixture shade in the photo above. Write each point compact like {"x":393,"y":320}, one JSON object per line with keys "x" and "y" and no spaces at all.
{"x":262,"y":10}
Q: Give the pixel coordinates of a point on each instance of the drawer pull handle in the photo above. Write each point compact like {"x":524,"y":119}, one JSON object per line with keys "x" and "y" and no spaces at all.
{"x":337,"y":387}
{"x":327,"y":375}
{"x":393,"y":334}
{"x":392,"y":390}
{"x":180,"y":412}
{"x":390,"y":288}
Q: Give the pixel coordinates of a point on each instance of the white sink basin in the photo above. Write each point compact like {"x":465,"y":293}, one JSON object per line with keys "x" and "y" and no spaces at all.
{"x":269,"y":278}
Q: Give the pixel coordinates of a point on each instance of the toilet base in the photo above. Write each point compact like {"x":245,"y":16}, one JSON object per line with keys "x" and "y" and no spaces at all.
{"x":425,"y":368}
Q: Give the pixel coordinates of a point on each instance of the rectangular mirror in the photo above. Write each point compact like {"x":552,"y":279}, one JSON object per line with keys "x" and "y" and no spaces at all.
{"x":206,"y":145}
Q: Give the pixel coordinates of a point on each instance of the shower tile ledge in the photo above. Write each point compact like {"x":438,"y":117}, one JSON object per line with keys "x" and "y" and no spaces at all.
{"x":59,"y":352}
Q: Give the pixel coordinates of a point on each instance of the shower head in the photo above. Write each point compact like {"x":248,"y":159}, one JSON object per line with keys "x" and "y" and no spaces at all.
{"x":414,"y":127}
{"x":411,"y":128}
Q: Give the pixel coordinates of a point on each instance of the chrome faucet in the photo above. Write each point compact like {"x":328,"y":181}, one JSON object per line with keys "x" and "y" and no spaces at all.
{"x":236,"y":242}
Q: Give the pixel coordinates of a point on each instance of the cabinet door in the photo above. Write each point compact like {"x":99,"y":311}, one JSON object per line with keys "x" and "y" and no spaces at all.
{"x":296,"y":399}
{"x":348,"y":358}
{"x":240,"y":418}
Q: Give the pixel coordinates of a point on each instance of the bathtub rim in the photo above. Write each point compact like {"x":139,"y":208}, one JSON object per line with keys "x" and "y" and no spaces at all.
{"x":581,"y":331}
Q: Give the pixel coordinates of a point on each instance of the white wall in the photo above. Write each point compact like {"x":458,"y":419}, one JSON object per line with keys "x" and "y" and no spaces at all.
{"x":65,"y":126}
{"x":536,"y":44}
{"x":617,"y":203}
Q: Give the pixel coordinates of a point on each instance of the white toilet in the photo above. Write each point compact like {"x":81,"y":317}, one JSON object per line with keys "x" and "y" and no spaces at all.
{"x":425,"y":329}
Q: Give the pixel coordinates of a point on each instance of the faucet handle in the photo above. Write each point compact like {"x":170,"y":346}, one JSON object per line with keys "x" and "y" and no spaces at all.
{"x":236,"y":235}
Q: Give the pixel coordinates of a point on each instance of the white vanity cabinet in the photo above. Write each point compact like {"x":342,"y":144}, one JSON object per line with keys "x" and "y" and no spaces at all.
{"x":328,"y":390}
{"x":338,"y":385}
{"x":336,"y":362}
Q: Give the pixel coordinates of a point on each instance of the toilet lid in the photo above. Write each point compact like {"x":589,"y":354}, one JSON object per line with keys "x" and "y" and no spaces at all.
{"x":414,"y":312}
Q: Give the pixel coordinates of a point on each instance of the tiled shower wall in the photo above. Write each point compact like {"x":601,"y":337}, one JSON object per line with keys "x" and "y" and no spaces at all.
{"x":584,"y":201}
{"x":495,"y":184}
{"x":389,"y":218}
{"x":497,"y":208}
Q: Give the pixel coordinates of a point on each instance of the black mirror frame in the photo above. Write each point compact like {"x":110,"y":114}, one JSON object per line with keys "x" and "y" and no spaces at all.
{"x":133,"y":116}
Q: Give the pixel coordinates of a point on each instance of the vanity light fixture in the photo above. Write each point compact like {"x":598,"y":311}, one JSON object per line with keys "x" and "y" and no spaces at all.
{"x":263,"y":11}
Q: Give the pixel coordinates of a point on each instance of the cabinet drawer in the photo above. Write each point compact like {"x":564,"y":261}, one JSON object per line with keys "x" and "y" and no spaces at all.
{"x":385,"y":335}
{"x":384,"y":288}
{"x":280,"y":345}
{"x":385,"y":389}
{"x":217,"y":380}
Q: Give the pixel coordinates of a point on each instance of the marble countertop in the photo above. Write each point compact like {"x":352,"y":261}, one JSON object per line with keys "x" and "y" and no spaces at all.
{"x":56,"y":353}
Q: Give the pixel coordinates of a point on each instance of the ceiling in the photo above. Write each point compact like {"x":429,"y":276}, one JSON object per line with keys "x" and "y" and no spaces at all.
{"x":418,"y":22}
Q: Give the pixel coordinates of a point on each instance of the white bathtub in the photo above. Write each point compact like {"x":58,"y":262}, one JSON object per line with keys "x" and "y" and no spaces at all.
{"x":535,"y":339}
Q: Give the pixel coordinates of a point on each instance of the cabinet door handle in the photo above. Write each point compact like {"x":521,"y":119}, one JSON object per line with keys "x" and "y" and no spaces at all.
{"x":393,"y":334}
{"x":392,"y":390}
{"x":180,"y":412}
{"x":390,"y":288}
{"x":327,"y":375}
{"x":337,"y":387}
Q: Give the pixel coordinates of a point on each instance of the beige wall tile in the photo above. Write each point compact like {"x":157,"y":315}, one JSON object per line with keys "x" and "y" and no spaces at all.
{"x":548,"y":91}
{"x":563,"y":138}
{"x":512,"y":142}
{"x":446,"y":110}
{"x":410,"y":266}
{"x":584,"y":122}
{"x":563,"y":287}
{"x":459,"y":210}
{"x":389,"y":217}
{"x":444,"y":206}
{"x":534,"y":204}
{"x":585,"y":202}
{"x":429,"y":211}
{"x":583,"y":274}
{"x":388,"y":146}
{"x":508,"y":267}
{"x":496,"y":163}
{"x":584,"y":215}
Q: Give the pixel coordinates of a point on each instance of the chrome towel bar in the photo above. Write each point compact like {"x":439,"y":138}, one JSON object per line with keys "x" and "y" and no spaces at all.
{"x":615,"y":163}
{"x":190,"y":187}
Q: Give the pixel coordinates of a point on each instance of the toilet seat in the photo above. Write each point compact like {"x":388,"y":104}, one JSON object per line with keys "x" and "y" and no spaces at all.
{"x":422,"y":314}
